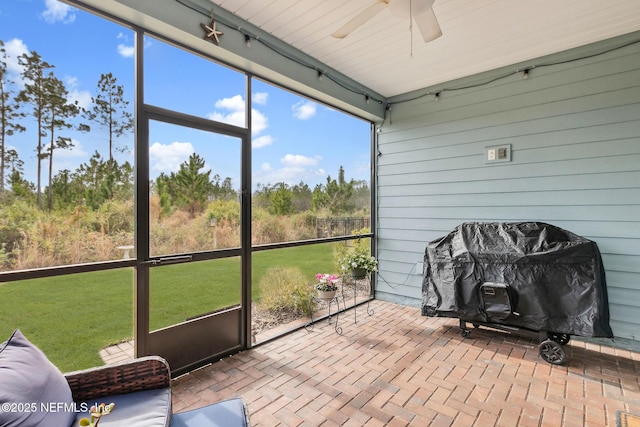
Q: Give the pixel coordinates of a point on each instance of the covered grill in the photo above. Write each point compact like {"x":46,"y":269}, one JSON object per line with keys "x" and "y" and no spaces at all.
{"x":527,"y":276}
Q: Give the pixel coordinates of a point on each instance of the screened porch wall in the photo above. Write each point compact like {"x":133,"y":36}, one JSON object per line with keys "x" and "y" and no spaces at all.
{"x":574,"y":133}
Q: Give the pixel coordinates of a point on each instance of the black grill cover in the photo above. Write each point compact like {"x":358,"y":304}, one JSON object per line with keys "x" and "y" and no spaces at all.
{"x":556,"y":278}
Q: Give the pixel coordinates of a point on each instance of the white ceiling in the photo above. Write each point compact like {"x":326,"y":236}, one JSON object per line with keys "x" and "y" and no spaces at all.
{"x":478,"y":35}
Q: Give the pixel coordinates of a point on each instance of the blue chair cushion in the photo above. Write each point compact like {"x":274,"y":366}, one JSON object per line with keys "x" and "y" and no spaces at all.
{"x":149,"y":408}
{"x":33,"y":392}
{"x":227,"y":413}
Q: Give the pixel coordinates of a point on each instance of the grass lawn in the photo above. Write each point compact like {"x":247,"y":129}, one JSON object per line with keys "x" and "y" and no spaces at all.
{"x":72,"y":317}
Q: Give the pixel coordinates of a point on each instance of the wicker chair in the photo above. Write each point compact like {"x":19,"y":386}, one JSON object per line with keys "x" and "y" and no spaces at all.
{"x":142,"y":375}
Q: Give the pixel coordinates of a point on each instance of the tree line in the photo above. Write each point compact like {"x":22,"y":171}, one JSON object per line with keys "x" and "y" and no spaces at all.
{"x":192,"y":187}
{"x":337,"y":196}
{"x":45,"y":99}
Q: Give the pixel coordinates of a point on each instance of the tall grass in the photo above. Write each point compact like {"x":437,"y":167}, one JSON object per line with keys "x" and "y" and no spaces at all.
{"x":31,"y":238}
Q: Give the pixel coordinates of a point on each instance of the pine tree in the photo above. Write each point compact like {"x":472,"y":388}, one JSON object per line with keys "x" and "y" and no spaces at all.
{"x":35,"y":93}
{"x":109,"y":110}
{"x":282,"y":200}
{"x":193,"y":186}
{"x":9,"y":112}
{"x":337,"y":196}
{"x":57,"y":111}
{"x":20,"y":188}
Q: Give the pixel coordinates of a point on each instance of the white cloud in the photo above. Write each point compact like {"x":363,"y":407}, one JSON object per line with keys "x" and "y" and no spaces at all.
{"x":297,"y":160}
{"x":167,"y":158}
{"x":126,"y":51}
{"x":235,"y":103}
{"x":295,"y":168}
{"x":56,"y":11}
{"x":260,"y":98}
{"x":259,"y":122}
{"x":14,"y":48}
{"x":83,"y":97}
{"x":236,"y":116}
{"x":304,"y":110}
{"x":262,"y":141}
{"x":266,"y":167}
{"x":235,"y":111}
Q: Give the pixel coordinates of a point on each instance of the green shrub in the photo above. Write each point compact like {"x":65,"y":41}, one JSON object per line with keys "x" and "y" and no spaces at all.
{"x":224,"y":210}
{"x":286,"y":289}
{"x":115,"y":217}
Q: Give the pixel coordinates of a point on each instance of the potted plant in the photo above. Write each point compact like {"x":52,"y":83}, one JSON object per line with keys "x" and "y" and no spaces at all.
{"x":357,"y":262}
{"x":326,"y":286}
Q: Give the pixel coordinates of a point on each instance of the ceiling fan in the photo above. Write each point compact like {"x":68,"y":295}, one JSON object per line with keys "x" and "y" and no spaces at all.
{"x":420,"y":10}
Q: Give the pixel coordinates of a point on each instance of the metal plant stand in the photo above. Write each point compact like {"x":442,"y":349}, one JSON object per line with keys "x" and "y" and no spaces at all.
{"x":336,"y":299}
{"x":330,"y":301}
{"x":355,"y":294}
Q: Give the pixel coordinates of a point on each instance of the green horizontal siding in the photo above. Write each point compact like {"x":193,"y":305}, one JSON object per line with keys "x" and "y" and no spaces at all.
{"x":574,"y":131}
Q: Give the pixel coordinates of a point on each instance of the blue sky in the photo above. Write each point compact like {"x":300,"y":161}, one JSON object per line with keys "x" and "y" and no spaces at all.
{"x":293,"y":139}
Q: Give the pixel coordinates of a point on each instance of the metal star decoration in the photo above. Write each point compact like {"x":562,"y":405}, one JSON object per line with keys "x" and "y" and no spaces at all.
{"x":212,"y":33}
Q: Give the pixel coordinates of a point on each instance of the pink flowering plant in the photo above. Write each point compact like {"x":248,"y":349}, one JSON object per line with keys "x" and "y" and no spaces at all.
{"x":326,"y":282}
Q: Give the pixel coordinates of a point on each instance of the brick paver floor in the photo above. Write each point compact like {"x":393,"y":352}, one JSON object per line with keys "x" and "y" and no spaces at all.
{"x":398,"y":368}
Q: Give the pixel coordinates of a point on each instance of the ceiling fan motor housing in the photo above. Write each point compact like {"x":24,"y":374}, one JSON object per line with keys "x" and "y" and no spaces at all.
{"x":408,"y":8}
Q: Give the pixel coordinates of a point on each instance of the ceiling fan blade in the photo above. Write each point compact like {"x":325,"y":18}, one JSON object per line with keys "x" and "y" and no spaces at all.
{"x":360,"y":19}
{"x":428,"y":25}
